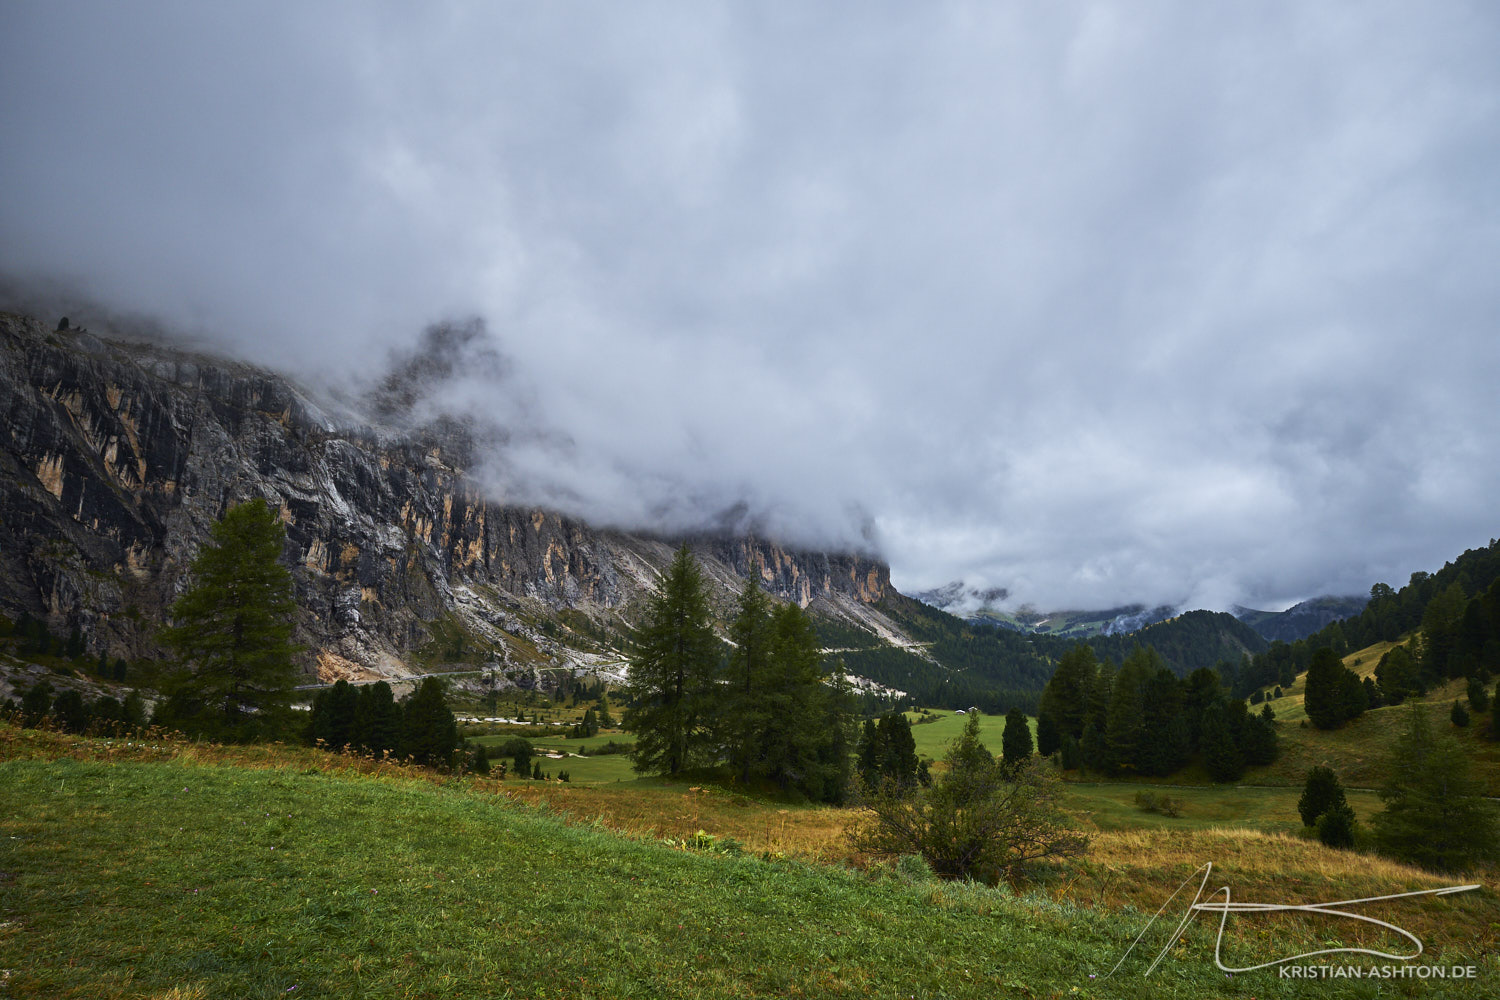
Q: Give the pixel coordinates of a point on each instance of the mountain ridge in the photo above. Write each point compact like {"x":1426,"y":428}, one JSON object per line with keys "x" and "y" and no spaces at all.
{"x":119,"y":456}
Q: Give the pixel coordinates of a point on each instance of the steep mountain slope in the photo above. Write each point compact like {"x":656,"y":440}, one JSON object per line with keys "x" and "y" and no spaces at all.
{"x":1301,"y":620}
{"x":116,"y":458}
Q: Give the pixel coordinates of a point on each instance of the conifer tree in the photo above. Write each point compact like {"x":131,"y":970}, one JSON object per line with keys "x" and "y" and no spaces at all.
{"x":1320,"y":793}
{"x":1221,"y":754}
{"x":1397,"y":675}
{"x":1327,"y":698}
{"x":747,"y":709}
{"x":232,"y":629}
{"x":332,"y":717}
{"x":1479,"y":699}
{"x":429,"y":733}
{"x":672,"y":688}
{"x":796,"y":725}
{"x":1436,"y":814}
{"x":376,"y":725}
{"x":1458,"y":716}
{"x":1336,"y":827}
{"x":1015,"y":741}
{"x":1066,"y":696}
{"x":1124,"y":730}
{"x":1048,"y":739}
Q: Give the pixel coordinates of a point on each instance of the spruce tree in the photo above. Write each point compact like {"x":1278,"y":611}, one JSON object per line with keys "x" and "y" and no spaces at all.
{"x":332,"y":717}
{"x":232,"y":630}
{"x":672,"y":686}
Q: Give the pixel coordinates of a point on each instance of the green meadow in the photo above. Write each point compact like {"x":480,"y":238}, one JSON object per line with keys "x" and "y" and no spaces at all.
{"x":190,"y":872}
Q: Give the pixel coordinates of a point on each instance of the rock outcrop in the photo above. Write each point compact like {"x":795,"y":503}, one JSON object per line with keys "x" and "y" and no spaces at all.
{"x":117,"y":458}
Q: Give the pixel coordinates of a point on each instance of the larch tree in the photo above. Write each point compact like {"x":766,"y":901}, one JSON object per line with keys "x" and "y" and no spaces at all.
{"x":672,"y":689}
{"x":232,"y":630}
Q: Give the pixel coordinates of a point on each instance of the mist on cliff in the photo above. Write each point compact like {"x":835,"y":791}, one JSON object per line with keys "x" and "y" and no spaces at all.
{"x":1174,"y":303}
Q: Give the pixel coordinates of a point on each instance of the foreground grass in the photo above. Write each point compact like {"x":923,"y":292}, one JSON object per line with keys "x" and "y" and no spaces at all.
{"x":186,"y":871}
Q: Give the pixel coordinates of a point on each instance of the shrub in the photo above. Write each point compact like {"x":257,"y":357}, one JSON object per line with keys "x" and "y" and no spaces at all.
{"x":978,"y":819}
{"x":1152,"y":802}
{"x":1336,"y":827}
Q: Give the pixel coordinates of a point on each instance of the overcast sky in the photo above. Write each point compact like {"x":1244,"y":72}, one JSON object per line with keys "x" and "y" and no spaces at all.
{"x":1100,"y":303}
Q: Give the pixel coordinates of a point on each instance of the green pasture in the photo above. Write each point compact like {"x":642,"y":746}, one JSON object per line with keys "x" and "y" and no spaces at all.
{"x":131,"y":879}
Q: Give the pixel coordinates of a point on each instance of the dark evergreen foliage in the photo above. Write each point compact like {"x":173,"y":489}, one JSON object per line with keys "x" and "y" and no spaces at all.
{"x":429,"y":733}
{"x":1015,"y":742}
{"x":232,"y":631}
{"x":1320,"y":793}
{"x":672,"y":689}
{"x":1436,"y":814}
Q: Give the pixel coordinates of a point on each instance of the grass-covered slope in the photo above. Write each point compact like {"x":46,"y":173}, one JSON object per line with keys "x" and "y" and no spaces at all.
{"x":133,"y":872}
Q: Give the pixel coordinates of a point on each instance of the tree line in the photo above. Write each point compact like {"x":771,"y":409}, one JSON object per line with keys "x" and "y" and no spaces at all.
{"x":1140,"y":718}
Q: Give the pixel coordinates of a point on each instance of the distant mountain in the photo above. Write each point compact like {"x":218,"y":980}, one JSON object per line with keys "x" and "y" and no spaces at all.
{"x":1301,"y":620}
{"x":959,"y":599}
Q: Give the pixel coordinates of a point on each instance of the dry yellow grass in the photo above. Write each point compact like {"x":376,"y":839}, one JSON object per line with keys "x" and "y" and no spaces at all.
{"x":1141,"y":869}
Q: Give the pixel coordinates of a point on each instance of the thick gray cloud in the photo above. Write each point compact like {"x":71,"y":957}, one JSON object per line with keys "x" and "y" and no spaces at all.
{"x":1095,"y":302}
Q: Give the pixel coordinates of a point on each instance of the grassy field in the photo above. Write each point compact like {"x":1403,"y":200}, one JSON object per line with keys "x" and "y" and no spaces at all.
{"x":558,"y":753}
{"x":933,"y":737}
{"x":180,"y":870}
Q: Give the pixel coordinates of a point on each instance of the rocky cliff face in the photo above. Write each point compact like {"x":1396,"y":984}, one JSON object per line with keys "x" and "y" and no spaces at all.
{"x":117,"y":458}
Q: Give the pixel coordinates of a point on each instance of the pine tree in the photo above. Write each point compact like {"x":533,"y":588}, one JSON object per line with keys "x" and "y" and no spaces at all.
{"x":70,"y":712}
{"x":1435,"y":812}
{"x":898,"y":760}
{"x":36,"y":703}
{"x":1015,"y":742}
{"x":868,"y":755}
{"x":1124,"y":728}
{"x":233,"y":627}
{"x":481,"y":760}
{"x":1259,"y":745}
{"x":672,"y":688}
